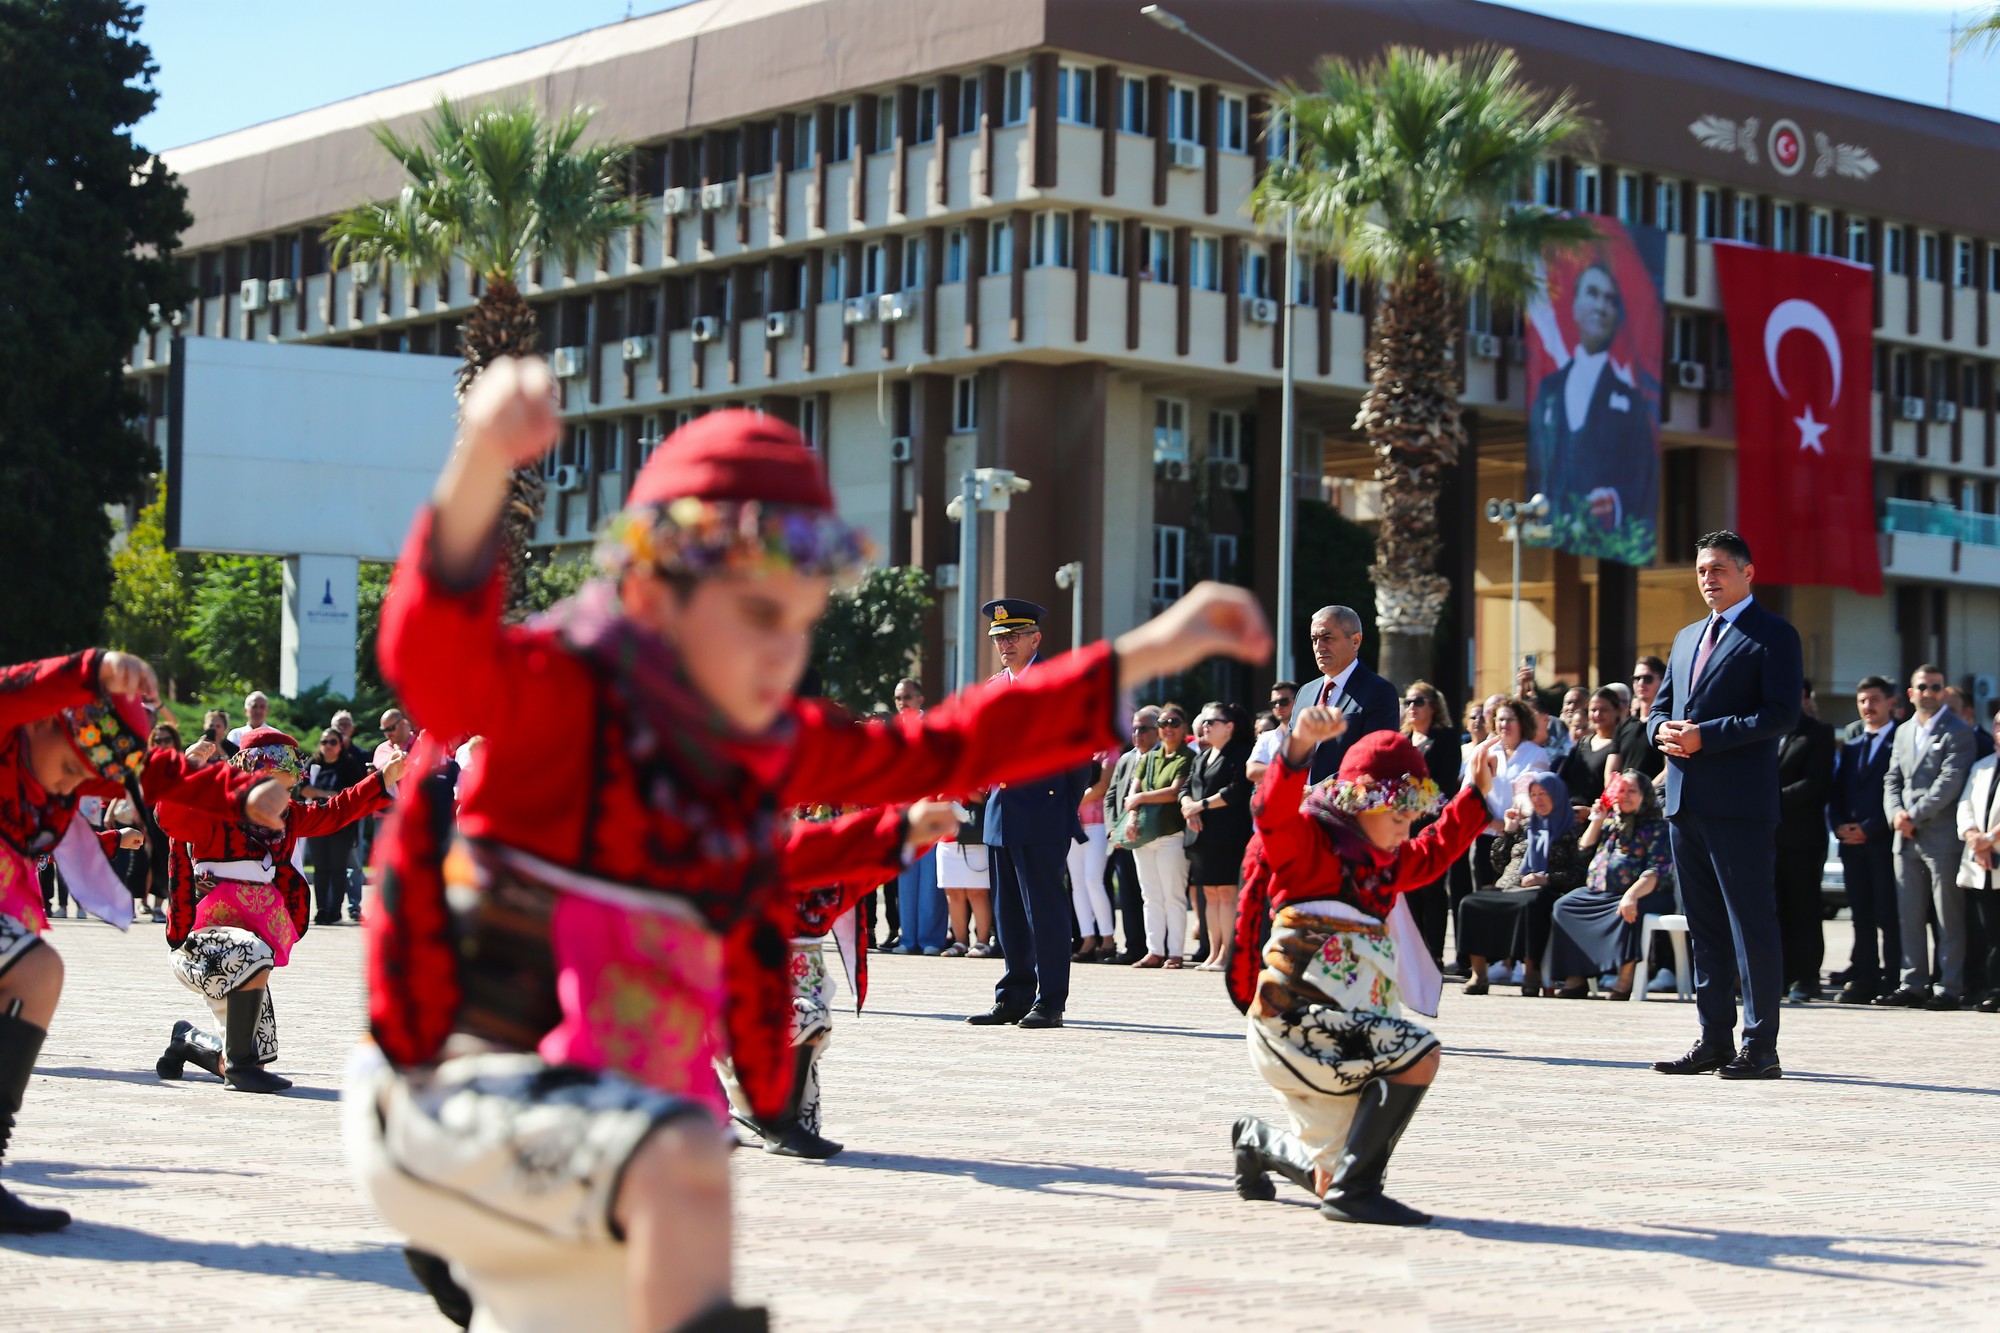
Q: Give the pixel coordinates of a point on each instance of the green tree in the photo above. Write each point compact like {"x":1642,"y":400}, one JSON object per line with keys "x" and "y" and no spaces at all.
{"x":89,"y":229}
{"x":1409,"y":171}
{"x":150,"y":591}
{"x":869,"y":637}
{"x":555,"y":577}
{"x":495,"y":186}
{"x":236,"y":622}
{"x":372,"y":587}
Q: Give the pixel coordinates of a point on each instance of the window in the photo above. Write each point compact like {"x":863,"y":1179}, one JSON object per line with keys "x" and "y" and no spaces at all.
{"x":1254,"y":274}
{"x":649,"y":437}
{"x":842,"y":146}
{"x":954,"y":255}
{"x":1784,"y":227}
{"x":809,"y":423}
{"x":1707,"y":213}
{"x":1183,"y":114}
{"x":1970,"y":386}
{"x":1993,"y":269}
{"x":1222,"y":556}
{"x":1000,"y":246}
{"x":1746,"y":218}
{"x":1170,"y":430}
{"x":1899,"y":374}
{"x":1927,"y":256}
{"x":885,"y":123}
{"x":1015,"y":85}
{"x":805,"y":138}
{"x":1630,"y":209}
{"x":871,"y":269}
{"x":1169,"y":564}
{"x":1076,"y":94}
{"x":1681,"y":339}
{"x":1819,"y":232}
{"x":1156,"y":254}
{"x":927,"y":102}
{"x":1961,"y":263}
{"x":1895,"y":244}
{"x":1277,"y":138}
{"x":1667,"y":207}
{"x":1857,"y":240}
{"x":1302,"y":285}
{"x":970,"y":95}
{"x":965,"y":404}
{"x":1048,"y":246}
{"x":1589,"y":190}
{"x":614,"y":448}
{"x":766,"y":157}
{"x":1232,"y":116}
{"x":1205,"y":263}
{"x":1134,"y":108}
{"x":1546,"y":192}
{"x":1107,"y":247}
{"x":1225,"y":437}
{"x":834,"y":277}
{"x":1479,"y":311}
{"x":915,"y":252}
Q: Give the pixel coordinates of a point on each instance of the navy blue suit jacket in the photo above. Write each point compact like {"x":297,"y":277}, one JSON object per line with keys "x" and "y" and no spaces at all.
{"x":1369,"y":703}
{"x":1745,"y":703}
{"x":1856,"y":797}
{"x":1040,"y":811}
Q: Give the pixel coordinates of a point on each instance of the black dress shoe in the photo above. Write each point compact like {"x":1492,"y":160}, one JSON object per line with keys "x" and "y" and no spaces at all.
{"x":1903,"y":998}
{"x":1945,"y":1002}
{"x":997,"y":1015}
{"x":1856,"y":992}
{"x":1991,"y":1004}
{"x":1801,"y":993}
{"x":1699,"y":1060}
{"x":1752,"y":1064}
{"x":1042,"y":1017}
{"x":1840,"y":978}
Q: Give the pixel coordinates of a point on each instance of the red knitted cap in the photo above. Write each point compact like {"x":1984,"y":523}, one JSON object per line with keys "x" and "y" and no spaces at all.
{"x":734,"y":455}
{"x":263,"y":736}
{"x":1383,"y":757}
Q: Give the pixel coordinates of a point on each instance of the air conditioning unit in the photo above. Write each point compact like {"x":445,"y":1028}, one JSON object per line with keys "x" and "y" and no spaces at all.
{"x":1690,"y":374}
{"x":1260,"y":310}
{"x":778,"y":324}
{"x":568,"y":477}
{"x":638,"y":348}
{"x":251,"y":294}
{"x":893,"y":307}
{"x":705,"y":328}
{"x":947,"y":577}
{"x":717,"y":197}
{"x":1910,"y":409}
{"x":1233,"y":476}
{"x":1944,"y":410}
{"x":677,"y":202}
{"x":858,"y":310}
{"x":279,"y":291}
{"x":1184,"y":156}
{"x":568,"y":362}
{"x":1484,"y":346}
{"x":1175,"y":469}
{"x":899,"y":449}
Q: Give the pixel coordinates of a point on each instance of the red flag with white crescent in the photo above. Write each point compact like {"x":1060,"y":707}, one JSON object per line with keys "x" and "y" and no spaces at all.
{"x":1801,"y":344}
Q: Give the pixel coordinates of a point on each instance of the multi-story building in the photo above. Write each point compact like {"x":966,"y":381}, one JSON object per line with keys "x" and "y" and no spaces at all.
{"x":935,"y":233}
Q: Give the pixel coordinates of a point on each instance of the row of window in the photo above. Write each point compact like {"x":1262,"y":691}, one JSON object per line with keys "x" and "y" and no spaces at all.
{"x":600,"y":445}
{"x":1170,"y":563}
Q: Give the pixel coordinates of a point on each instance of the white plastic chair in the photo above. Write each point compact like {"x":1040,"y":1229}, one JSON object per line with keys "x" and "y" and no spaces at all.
{"x":1676,"y":926}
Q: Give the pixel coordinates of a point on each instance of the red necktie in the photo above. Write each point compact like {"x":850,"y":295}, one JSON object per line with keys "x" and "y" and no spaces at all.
{"x":1708,"y":638}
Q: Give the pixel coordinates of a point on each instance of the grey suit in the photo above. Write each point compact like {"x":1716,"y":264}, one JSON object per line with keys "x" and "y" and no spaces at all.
{"x":1925,"y":780}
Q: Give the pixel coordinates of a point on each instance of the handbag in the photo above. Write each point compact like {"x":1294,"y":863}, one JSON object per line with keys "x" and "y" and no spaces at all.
{"x":972,"y":829}
{"x":1146,"y":823}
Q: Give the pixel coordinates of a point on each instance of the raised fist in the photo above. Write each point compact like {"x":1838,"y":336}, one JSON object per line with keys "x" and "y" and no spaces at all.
{"x":267,"y":804}
{"x":510,"y":411}
{"x":122,"y":673}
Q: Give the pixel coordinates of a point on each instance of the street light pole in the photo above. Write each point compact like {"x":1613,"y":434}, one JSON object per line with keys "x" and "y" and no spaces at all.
{"x":1288,"y":481}
{"x":968,"y":577}
{"x":1070,"y":577}
{"x":1518,"y":521}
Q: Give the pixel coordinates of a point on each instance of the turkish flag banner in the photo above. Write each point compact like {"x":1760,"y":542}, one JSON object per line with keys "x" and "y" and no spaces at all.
{"x":1801,"y":343}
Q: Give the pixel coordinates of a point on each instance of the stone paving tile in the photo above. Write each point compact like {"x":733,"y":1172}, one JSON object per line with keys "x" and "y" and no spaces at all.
{"x":1000,"y":1179}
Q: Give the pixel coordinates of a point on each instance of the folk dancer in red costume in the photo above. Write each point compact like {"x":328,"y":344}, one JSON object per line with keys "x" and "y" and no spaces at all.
{"x":1324,"y":991}
{"x":549,"y":988}
{"x":72,"y":727}
{"x":237,"y":905}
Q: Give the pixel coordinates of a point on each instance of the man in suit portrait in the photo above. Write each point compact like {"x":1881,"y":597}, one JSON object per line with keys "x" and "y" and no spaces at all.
{"x":1029,"y":829}
{"x":1867,"y":854}
{"x":1592,"y":438}
{"x":1368,"y":702}
{"x":1805,"y":776}
{"x":1928,"y":765}
{"x":1731,"y":694}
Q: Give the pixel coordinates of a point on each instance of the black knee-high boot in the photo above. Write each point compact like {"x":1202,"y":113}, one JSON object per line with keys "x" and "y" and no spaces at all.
{"x":1260,"y":1147}
{"x":434,"y":1275}
{"x":242,"y":1072}
{"x":20,"y":1043}
{"x":728,"y":1317}
{"x":189,"y":1046}
{"x":1356,"y":1193}
{"x":789,"y":1136}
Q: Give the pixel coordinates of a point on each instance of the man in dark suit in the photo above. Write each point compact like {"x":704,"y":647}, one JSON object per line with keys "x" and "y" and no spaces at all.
{"x":1368,"y":702}
{"x":1867,"y":857}
{"x":1029,"y":828}
{"x":1734,"y":681}
{"x":1805,"y":776}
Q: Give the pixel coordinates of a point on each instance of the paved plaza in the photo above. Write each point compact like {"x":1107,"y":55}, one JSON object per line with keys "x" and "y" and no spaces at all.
{"x":1000,"y":1179}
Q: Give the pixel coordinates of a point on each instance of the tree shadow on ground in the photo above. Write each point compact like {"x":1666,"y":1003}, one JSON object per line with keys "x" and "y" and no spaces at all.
{"x":378,"y":1264}
{"x":93,"y":1176}
{"x":1089,"y":1024}
{"x":1034,"y":1177}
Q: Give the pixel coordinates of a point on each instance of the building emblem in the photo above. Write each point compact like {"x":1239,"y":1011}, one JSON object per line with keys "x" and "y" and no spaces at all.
{"x":1785,"y":146}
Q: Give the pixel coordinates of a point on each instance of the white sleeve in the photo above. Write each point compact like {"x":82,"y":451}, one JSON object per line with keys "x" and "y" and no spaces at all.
{"x":1266,"y":748}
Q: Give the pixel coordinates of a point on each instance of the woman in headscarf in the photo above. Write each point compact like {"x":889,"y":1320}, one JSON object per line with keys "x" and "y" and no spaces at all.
{"x":1631,"y":874}
{"x":1538,"y":861}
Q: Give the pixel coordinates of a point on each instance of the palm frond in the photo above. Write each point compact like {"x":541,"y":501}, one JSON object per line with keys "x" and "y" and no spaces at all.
{"x":1983,"y":32}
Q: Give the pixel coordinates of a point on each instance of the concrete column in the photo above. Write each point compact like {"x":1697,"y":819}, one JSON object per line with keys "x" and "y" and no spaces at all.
{"x":316,"y":644}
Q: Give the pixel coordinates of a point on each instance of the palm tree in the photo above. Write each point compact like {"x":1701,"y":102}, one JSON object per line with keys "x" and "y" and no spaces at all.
{"x":1409,"y":172}
{"x":495,"y":186}
{"x":1983,"y":30}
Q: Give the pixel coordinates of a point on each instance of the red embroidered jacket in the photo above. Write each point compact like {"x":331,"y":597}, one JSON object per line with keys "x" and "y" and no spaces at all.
{"x":198,"y":835}
{"x":554,"y":784}
{"x":31,"y":820}
{"x":1290,"y":859}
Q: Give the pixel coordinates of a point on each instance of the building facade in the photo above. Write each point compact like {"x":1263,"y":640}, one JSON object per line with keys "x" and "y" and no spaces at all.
{"x":938,"y":234}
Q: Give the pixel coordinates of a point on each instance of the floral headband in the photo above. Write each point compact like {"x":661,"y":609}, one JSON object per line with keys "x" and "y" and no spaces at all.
{"x":269,"y":758}
{"x":1409,"y":794}
{"x":104,"y":740}
{"x":692,"y":537}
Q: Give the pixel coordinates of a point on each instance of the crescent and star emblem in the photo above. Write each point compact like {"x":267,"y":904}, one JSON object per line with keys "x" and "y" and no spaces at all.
{"x":1802,"y":315}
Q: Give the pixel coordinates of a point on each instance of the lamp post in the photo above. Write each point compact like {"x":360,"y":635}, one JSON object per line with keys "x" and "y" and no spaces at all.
{"x":1070,"y":577}
{"x":1288,"y":482}
{"x":1518,"y":520}
{"x":989,"y":490}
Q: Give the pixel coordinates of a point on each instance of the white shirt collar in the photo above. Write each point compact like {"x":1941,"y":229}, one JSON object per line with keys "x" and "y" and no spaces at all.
{"x":1337,"y":685}
{"x":1731,"y":616}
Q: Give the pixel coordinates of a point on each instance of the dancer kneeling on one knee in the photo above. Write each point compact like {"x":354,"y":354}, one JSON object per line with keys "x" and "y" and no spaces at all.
{"x":1324,"y":988}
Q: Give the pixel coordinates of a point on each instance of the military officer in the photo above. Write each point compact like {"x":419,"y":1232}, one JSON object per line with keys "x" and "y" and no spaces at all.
{"x":1029,"y":828}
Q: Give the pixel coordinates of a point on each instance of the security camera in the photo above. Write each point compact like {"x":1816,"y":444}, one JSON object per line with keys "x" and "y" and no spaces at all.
{"x":1509,"y":511}
{"x":1537,"y":506}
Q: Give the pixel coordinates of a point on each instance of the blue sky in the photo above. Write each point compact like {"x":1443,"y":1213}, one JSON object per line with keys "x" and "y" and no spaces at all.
{"x":225,"y":64}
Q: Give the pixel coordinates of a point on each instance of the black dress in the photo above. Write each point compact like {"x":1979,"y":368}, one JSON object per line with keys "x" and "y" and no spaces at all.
{"x":1582,"y":770}
{"x":1508,"y":921}
{"x":1215,"y":855}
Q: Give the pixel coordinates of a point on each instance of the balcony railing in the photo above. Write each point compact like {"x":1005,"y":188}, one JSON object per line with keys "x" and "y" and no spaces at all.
{"x":1926,"y":518}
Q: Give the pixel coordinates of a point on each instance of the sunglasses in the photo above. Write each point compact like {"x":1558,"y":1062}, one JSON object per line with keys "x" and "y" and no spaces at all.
{"x":1644,"y":678}
{"x":1282,"y":700}
{"x":1416,"y":703}
{"x":1173,"y":722}
{"x":1928,"y":689}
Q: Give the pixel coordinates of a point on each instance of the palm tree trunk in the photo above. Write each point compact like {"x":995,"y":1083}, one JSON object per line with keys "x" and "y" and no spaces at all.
{"x":503,"y":324}
{"x":1410,"y":415}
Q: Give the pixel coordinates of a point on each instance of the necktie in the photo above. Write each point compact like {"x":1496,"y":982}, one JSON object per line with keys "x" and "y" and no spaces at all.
{"x":1708,"y":638}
